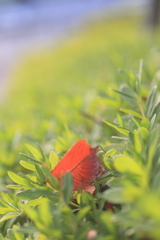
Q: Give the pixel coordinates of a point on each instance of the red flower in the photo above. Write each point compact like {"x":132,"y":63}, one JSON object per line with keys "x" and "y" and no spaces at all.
{"x":81,"y":161}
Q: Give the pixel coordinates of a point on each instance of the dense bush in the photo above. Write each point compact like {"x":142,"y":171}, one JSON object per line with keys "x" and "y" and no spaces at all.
{"x":118,"y":111}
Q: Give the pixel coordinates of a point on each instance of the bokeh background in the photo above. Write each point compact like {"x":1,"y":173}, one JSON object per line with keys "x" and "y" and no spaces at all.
{"x":58,"y":61}
{"x":26,"y":25}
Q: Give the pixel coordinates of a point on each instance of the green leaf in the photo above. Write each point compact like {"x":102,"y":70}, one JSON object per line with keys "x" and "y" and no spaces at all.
{"x":123,"y":74}
{"x":41,"y":152}
{"x":120,"y":121}
{"x":120,"y":138}
{"x":8,"y":198}
{"x":124,"y":94}
{"x":18,"y":235}
{"x":113,"y":195}
{"x":152,"y":122}
{"x":31,"y":213}
{"x":131,"y":112}
{"x":126,"y":164}
{"x":37,"y":201}
{"x":4,"y":210}
{"x":124,"y":131}
{"x":35,"y":153}
{"x":86,"y":199}
{"x":52,"y":180}
{"x":31,"y":158}
{"x":156,"y":181}
{"x":9,"y":215}
{"x":150,"y":101}
{"x":81,"y":214}
{"x":136,"y":141}
{"x":10,"y":234}
{"x":18,"y":179}
{"x":152,"y":144}
{"x":139,"y":79}
{"x":30,"y":194}
{"x":110,"y":123}
{"x":41,"y":177}
{"x":144,"y":133}
{"x":132,"y":80}
{"x":156,"y":110}
{"x":30,"y":178}
{"x":28,"y":229}
{"x":16,"y":186}
{"x":145,"y":122}
{"x":44,"y":210}
{"x":110,"y":153}
{"x":136,"y":122}
{"x":28,"y":165}
{"x":67,"y":187}
{"x":53,"y":159}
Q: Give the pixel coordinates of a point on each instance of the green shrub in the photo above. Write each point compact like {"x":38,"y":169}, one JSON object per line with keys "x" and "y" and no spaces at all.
{"x":126,"y":201}
{"x":112,"y":109}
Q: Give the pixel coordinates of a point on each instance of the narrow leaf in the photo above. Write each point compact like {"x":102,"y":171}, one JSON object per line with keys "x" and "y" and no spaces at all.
{"x":67,"y":186}
{"x":110,"y":153}
{"x":18,"y":179}
{"x":31,"y":158}
{"x":150,"y":101}
{"x":37,"y":201}
{"x":53,"y":159}
{"x":124,"y":94}
{"x":124,"y":131}
{"x":120,"y":121}
{"x":136,"y":123}
{"x":28,"y":165}
{"x":131,"y":112}
{"x":34,"y":152}
{"x":9,"y":215}
{"x":41,"y":176}
{"x":110,"y":123}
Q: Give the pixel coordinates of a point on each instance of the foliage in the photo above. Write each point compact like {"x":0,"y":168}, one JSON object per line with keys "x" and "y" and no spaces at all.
{"x":125,"y":204}
{"x":126,"y":201}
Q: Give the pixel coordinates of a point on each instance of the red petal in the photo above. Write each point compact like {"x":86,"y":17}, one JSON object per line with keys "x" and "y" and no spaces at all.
{"x":82,"y":162}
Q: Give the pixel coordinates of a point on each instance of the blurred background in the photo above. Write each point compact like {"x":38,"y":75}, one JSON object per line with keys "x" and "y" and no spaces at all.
{"x":58,"y":62}
{"x":31,"y":24}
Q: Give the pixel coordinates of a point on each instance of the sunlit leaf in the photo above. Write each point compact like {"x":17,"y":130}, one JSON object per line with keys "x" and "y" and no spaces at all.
{"x":110,"y":123}
{"x":31,"y":158}
{"x":144,"y":133}
{"x":36,"y":154}
{"x":145,"y":122}
{"x":9,"y":215}
{"x":126,"y":164}
{"x":18,"y":179}
{"x":53,"y":159}
{"x":124,"y":131}
{"x":28,"y":165}
{"x":120,"y":121}
{"x":131,"y":112}
{"x":110,"y":153}
{"x":37,"y":201}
